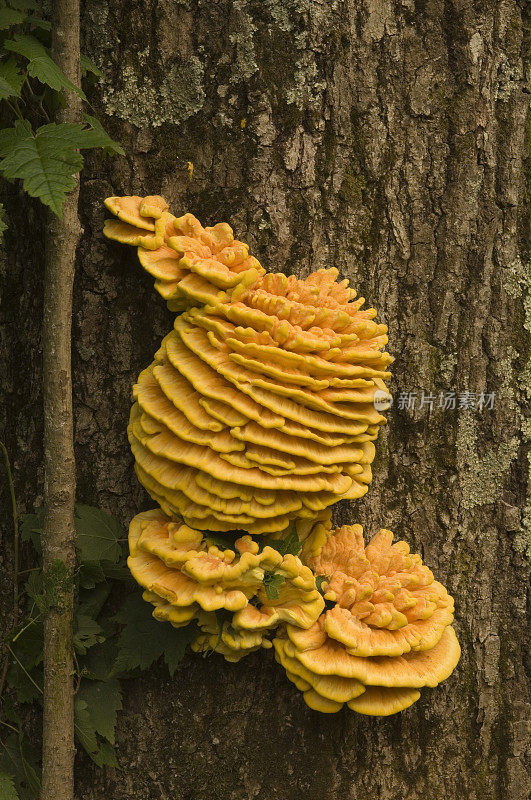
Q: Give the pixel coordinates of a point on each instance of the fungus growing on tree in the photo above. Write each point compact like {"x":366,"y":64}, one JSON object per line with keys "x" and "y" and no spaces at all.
{"x":258,"y":408}
{"x":235,"y":594}
{"x":256,"y":415}
{"x":386,"y":634}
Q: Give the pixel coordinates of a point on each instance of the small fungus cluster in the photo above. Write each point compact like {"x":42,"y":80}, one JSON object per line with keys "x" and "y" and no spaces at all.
{"x":385,"y":633}
{"x":187,"y":576}
{"x":256,"y":415}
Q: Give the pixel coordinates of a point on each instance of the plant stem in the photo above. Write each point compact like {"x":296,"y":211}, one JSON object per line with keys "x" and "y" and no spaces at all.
{"x":14,"y":513}
{"x":58,"y":538}
{"x":16,"y":572}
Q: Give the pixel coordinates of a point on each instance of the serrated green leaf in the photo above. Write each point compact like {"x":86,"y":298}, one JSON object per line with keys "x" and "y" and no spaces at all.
{"x":83,"y":727}
{"x":97,"y":535}
{"x":9,"y":17}
{"x":96,"y":136}
{"x":45,"y":162}
{"x":87,"y":65}
{"x":7,"y":788}
{"x":98,"y":663}
{"x":272,"y":583}
{"x":144,"y":640}
{"x":11,"y":79}
{"x":89,"y":574}
{"x":24,"y":674}
{"x":46,"y":71}
{"x":34,"y":589}
{"x":20,"y":761}
{"x":92,"y":601}
{"x":289,"y":545}
{"x":10,"y":136}
{"x":48,"y":589}
{"x":105,"y":756}
{"x":103,"y":700}
{"x":225,"y":541}
{"x":87,"y":633}
{"x":30,"y":527}
{"x":177,"y":641}
{"x":41,"y":65}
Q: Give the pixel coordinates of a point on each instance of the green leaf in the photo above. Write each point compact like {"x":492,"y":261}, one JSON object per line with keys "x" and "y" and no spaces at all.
{"x":98,"y":663}
{"x":177,"y":641}
{"x":87,"y":633}
{"x":37,"y":22}
{"x":290,"y":544}
{"x":25,"y":674}
{"x":48,"y":590}
{"x":144,"y":640}
{"x":117,"y":573}
{"x":3,"y":225}
{"x":89,"y":574}
{"x":46,"y":71}
{"x":20,"y":761}
{"x":95,"y":710}
{"x":11,"y":79}
{"x":97,"y":535}
{"x":319,"y":580}
{"x":96,"y":136}
{"x":46,"y":162}
{"x":272,"y":584}
{"x":30,"y":528}
{"x":223,"y":540}
{"x":9,"y":17}
{"x":87,"y":65}
{"x":83,"y":727}
{"x":105,"y":755}
{"x":24,"y":5}
{"x":7,"y":788}
{"x":92,"y":601}
{"x":10,"y":136}
{"x":222,"y":616}
{"x":103,"y":700}
{"x":41,"y":65}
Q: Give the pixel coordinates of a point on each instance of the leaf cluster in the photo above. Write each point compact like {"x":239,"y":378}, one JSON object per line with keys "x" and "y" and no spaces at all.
{"x":45,"y":157}
{"x":109,"y":645}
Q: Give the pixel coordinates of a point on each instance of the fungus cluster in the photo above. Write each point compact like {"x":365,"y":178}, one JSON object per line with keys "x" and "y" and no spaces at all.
{"x":385,"y":634}
{"x":187,"y":576}
{"x":258,"y":408}
{"x":256,"y":415}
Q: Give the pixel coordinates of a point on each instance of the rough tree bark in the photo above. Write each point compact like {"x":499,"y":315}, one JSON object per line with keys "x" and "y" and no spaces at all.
{"x":58,"y":536}
{"x":384,"y":137}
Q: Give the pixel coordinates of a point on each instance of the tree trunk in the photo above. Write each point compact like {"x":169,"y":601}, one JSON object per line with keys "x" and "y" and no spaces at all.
{"x":58,"y":536}
{"x":383,"y":137}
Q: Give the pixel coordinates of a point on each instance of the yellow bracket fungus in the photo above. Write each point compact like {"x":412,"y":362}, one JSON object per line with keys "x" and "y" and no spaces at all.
{"x":386,"y":633}
{"x":186,"y":577}
{"x":258,"y":408}
{"x":255,"y":416}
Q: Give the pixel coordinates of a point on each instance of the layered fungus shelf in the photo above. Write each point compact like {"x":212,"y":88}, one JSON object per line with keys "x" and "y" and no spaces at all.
{"x":257,"y":414}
